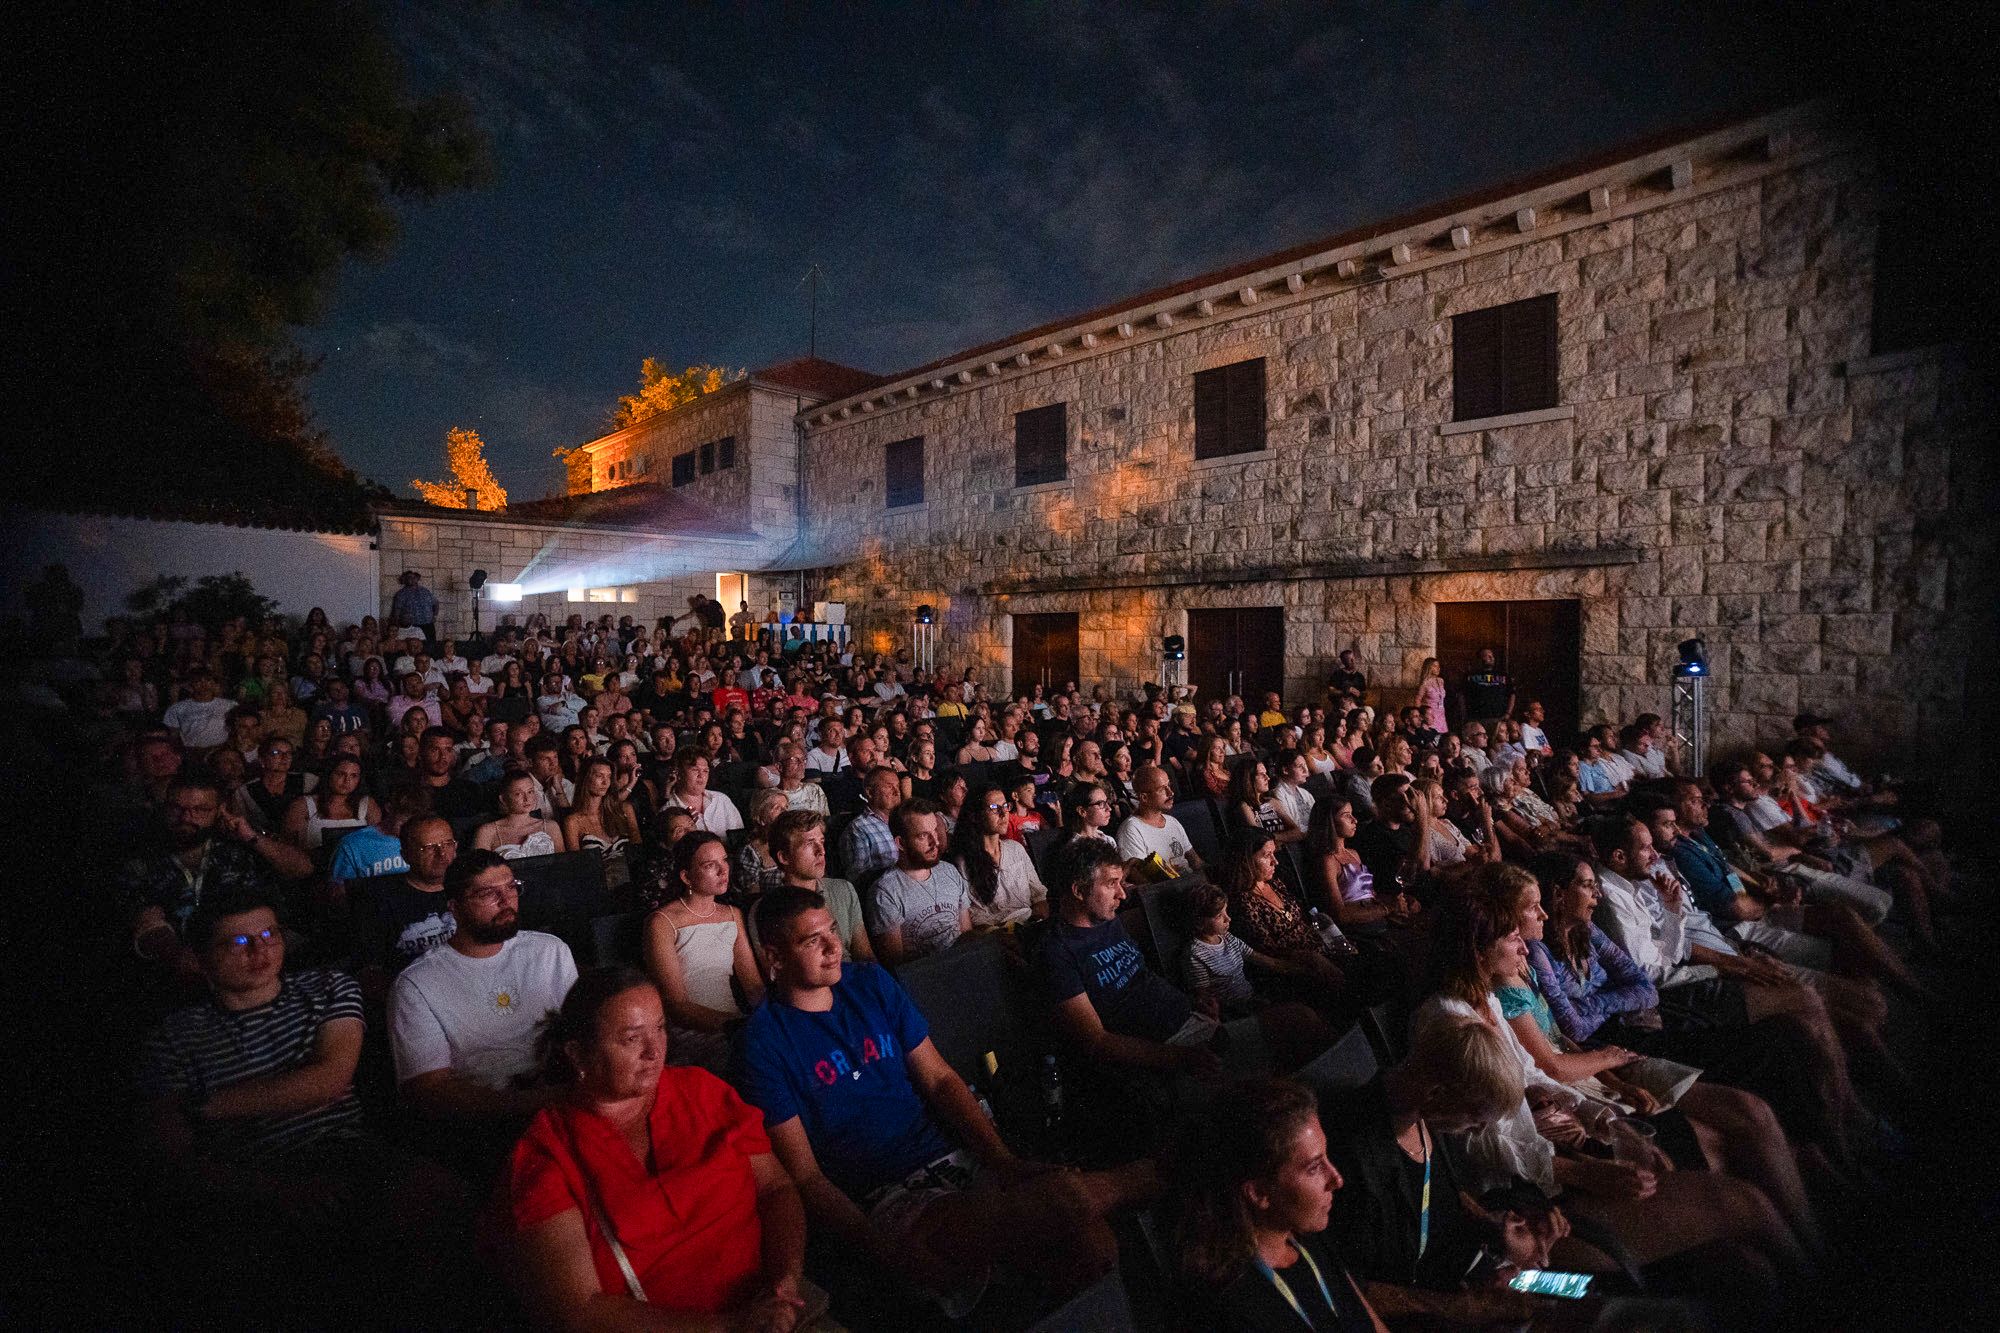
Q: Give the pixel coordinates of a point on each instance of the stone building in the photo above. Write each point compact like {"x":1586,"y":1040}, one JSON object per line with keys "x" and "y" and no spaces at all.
{"x":1685,"y":388}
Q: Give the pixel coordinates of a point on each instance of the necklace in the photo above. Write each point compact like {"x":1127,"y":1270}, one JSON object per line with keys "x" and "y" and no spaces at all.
{"x":705,"y":915}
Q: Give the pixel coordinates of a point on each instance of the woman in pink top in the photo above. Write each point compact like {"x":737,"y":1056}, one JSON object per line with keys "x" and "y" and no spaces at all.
{"x":1430,"y":696}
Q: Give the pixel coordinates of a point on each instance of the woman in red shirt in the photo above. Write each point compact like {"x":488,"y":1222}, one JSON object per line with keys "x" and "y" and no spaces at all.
{"x":666,"y":1164}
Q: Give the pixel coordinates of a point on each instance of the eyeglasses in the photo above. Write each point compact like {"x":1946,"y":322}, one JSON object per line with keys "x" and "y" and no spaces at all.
{"x":999,"y":806}
{"x":268,"y":936}
{"x":438,"y":846}
{"x":488,"y":896}
{"x":1097,"y":804}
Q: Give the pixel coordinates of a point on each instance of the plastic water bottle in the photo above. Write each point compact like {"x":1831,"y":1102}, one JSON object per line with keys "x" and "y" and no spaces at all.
{"x":1052,"y":1103}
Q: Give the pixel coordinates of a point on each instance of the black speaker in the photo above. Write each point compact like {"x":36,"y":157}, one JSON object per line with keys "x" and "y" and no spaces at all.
{"x":925,"y":615}
{"x":1174,"y":648}
{"x":477,"y":581}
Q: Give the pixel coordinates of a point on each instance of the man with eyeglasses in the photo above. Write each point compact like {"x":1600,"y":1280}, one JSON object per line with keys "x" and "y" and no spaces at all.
{"x":463,"y":1018}
{"x":202,"y":849}
{"x":398,"y":918}
{"x":1152,"y":831}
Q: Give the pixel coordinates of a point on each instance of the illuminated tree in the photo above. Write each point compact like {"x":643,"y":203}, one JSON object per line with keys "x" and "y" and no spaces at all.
{"x":465,"y":455}
{"x":576,"y":469}
{"x":661,"y":390}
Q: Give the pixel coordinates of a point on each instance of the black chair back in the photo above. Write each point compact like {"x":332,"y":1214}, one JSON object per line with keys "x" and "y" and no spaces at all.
{"x":976,"y":999}
{"x":618,"y":939}
{"x":1342,"y":1067}
{"x":1167,"y":922}
{"x":562,"y":894}
{"x":1204,"y":827}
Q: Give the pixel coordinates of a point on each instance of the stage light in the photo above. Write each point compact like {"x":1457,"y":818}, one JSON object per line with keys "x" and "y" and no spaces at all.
{"x":925,"y":615}
{"x":477,"y":581}
{"x":1174,"y":648}
{"x":506,"y":592}
{"x":1694,"y":658}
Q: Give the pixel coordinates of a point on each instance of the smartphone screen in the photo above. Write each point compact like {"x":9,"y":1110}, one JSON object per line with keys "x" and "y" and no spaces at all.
{"x":1544,"y":1282}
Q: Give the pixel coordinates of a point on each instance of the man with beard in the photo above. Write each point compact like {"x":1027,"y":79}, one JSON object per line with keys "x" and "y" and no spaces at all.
{"x":202,"y":849}
{"x":463,"y":1018}
{"x":921,"y":905}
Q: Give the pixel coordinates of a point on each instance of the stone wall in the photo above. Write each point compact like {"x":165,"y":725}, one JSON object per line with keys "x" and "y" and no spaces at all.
{"x":657,"y":440}
{"x":662,"y":571}
{"x":1723,"y":434}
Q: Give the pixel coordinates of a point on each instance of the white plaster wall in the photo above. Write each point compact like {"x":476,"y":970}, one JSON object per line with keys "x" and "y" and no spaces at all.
{"x":112,"y":557}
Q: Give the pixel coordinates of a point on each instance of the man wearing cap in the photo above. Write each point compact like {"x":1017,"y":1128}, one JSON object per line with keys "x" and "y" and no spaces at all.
{"x":415,"y":606}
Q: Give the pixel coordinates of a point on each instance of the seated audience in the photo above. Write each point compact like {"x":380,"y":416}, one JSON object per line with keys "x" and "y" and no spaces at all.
{"x":921,"y":904}
{"x":1000,"y":878}
{"x":1152,"y":830}
{"x":521,"y":831}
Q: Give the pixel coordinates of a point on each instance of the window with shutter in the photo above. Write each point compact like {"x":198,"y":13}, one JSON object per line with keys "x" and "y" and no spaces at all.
{"x":708,"y":458}
{"x":1229,"y":409}
{"x":725,"y":452}
{"x":684,"y":468}
{"x":1041,"y":445}
{"x":903,"y":472}
{"x":1503,"y":359}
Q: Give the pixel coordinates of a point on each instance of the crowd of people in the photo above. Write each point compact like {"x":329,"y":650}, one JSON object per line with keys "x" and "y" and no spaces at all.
{"x":1630,"y":1015}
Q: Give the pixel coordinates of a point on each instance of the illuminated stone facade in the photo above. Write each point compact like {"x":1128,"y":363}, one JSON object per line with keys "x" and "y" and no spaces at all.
{"x":1729,"y":454}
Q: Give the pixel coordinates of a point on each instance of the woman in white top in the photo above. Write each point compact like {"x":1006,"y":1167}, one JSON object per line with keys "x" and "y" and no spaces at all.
{"x":519,"y":832}
{"x":695,"y":945}
{"x":1655,"y":1211}
{"x":1004,"y":888}
{"x":1312,"y":744}
{"x":333,"y":807}
{"x":713,"y":812}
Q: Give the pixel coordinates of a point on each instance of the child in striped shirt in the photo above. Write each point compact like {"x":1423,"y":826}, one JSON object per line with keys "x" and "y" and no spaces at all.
{"x":1214,"y":963}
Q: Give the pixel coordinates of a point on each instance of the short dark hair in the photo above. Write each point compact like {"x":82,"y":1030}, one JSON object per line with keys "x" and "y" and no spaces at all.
{"x":436,"y":733}
{"x":541,"y":743}
{"x":779,"y":907}
{"x":1612,"y":833}
{"x":899,"y":821}
{"x":1079,"y":863}
{"x":467,"y":866}
{"x":194,"y":780}
{"x":210,"y":913}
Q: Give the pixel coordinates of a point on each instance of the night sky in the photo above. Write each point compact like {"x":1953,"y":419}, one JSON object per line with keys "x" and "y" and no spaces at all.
{"x":665,"y":176}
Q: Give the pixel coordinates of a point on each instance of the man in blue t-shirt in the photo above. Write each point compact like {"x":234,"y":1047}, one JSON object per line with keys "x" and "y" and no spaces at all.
{"x":1118,"y":1010}
{"x":883,"y":1139}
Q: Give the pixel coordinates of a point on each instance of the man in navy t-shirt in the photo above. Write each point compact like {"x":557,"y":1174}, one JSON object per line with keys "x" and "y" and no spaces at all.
{"x":883,"y":1138}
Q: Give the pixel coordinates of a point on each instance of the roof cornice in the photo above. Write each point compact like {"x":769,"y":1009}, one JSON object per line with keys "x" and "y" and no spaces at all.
{"x":1633,"y":180}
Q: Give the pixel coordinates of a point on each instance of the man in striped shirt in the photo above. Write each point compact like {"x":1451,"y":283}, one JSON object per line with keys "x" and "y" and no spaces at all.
{"x":262,"y":1070}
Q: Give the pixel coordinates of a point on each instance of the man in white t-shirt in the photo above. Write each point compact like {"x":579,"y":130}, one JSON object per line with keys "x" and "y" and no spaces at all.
{"x":921,"y":905}
{"x":202,"y":720}
{"x":1533,"y":739}
{"x":1151,"y":829}
{"x":830,"y":755}
{"x":463,"y":1017}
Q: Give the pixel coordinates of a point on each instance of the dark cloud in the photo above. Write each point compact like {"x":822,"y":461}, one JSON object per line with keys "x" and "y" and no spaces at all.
{"x":668,"y":174}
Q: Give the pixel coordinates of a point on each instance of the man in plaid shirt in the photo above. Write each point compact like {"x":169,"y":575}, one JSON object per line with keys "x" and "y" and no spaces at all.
{"x":868,"y":847}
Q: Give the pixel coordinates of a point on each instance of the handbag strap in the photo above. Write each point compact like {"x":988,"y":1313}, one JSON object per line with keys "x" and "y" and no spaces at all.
{"x":633,"y":1286}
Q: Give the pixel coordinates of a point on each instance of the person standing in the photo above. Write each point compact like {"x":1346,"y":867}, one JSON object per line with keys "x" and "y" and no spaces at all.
{"x":415,"y":607}
{"x":1430,"y":696}
{"x":1488,"y":691}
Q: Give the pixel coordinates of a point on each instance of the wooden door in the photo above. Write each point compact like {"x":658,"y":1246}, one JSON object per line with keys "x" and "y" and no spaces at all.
{"x":1539,"y":647}
{"x":1237,"y":650}
{"x":1045,"y":651}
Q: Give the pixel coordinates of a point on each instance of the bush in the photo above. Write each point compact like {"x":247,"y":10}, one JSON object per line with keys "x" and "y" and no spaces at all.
{"x":214,"y":599}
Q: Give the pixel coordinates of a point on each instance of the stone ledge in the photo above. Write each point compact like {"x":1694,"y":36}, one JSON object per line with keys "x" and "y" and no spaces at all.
{"x":1040,"y":487}
{"x":1563,"y":413}
{"x":1224,"y":460}
{"x":1332,"y":569}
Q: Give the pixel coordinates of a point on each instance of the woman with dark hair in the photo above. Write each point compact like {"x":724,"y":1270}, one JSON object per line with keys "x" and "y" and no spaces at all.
{"x":1270,"y":920}
{"x":600,"y":821}
{"x":1250,"y":1193}
{"x":520,"y":831}
{"x":696,"y":945}
{"x":1250,"y":807}
{"x":1005,"y":889}
{"x":648,"y":1185}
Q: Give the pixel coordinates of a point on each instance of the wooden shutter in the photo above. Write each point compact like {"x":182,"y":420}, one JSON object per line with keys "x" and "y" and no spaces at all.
{"x":1041,"y":438}
{"x":1229,"y":409}
{"x":1246,"y":406}
{"x":725,"y":452}
{"x":1528,"y":354}
{"x":1475,"y":364}
{"x":683,"y":468}
{"x":903,"y":472}
{"x":708,"y":458}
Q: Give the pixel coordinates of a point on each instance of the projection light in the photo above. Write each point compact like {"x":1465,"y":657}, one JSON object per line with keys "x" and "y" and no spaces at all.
{"x":925,"y":615}
{"x":1694,"y":658}
{"x":477,"y":581}
{"x":1174,"y":648}
{"x":506,"y":592}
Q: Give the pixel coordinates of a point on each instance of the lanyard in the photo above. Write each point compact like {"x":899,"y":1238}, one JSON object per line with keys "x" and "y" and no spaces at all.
{"x":1424,"y":1214}
{"x":1285,"y":1288}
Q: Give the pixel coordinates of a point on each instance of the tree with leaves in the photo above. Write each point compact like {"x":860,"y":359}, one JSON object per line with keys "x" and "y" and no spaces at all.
{"x":465,"y":459}
{"x":201,"y":175}
{"x":662,"y":390}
